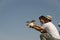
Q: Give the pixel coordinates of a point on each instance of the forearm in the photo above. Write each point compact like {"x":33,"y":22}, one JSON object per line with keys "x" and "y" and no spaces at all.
{"x":39,"y":28}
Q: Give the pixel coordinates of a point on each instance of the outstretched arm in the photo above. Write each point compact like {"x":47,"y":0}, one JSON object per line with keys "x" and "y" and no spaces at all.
{"x":38,"y":28}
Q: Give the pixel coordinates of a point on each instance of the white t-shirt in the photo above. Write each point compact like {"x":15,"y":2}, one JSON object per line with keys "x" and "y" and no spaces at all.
{"x":51,"y":29}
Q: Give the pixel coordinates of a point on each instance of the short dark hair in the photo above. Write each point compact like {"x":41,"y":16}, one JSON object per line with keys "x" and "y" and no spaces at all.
{"x":42,"y":17}
{"x":45,"y":19}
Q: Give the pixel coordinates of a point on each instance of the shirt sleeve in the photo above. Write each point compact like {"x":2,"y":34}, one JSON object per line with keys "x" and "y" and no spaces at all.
{"x":45,"y":26}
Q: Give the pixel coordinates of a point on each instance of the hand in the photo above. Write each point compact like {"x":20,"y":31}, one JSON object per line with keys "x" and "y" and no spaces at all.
{"x":31,"y":24}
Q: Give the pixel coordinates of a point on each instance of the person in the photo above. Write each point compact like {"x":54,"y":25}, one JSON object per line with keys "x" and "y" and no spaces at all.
{"x":47,"y":29}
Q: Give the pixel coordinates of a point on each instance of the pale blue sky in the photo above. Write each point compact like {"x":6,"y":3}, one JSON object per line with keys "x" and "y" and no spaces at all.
{"x":15,"y":13}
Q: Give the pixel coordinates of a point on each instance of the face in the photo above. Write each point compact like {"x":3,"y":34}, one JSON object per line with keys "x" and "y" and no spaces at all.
{"x":42,"y":21}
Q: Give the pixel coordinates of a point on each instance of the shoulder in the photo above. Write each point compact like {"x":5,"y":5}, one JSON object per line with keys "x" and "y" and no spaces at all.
{"x":47,"y":24}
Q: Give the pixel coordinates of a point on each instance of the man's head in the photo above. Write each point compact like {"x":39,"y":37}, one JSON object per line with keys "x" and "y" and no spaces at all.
{"x":45,"y":19}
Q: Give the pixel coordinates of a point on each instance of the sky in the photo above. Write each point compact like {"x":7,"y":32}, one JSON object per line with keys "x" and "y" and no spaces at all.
{"x":15,"y":13}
